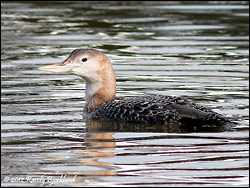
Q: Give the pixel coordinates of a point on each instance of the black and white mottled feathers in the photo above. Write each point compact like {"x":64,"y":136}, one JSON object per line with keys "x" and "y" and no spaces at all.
{"x":157,"y":109}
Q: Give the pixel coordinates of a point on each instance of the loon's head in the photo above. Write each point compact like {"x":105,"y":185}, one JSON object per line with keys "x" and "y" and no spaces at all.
{"x":89,"y":64}
{"x":93,"y":66}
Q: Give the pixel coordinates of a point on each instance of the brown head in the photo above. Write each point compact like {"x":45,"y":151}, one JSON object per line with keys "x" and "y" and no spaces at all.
{"x":95,"y":67}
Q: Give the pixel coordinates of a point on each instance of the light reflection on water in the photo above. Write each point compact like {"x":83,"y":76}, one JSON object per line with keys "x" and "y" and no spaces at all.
{"x":170,"y":48}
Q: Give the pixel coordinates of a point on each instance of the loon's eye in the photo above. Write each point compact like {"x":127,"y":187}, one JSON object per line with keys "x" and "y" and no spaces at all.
{"x":84,"y":59}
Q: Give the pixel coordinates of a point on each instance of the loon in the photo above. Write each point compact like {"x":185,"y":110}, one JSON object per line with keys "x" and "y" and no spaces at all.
{"x":95,"y":67}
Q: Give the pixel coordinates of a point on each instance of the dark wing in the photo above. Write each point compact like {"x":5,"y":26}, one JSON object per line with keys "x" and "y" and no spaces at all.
{"x":190,"y":112}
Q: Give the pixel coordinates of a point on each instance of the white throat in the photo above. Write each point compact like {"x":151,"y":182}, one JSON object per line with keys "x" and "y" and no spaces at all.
{"x":91,"y":89}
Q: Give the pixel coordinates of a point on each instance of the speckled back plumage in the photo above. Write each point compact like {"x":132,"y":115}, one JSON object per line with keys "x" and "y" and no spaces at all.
{"x":157,"y":109}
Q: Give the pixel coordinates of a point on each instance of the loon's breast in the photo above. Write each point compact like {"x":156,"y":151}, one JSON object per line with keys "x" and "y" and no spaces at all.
{"x":157,"y":109}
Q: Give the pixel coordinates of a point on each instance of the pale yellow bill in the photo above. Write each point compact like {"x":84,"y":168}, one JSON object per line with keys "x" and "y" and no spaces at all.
{"x":56,"y":68}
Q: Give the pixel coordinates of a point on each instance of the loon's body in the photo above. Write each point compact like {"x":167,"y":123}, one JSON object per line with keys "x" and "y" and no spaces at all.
{"x":157,"y":109}
{"x":96,"y":69}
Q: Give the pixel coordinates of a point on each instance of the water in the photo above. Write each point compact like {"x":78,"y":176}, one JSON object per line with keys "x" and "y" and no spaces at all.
{"x":197,"y":50}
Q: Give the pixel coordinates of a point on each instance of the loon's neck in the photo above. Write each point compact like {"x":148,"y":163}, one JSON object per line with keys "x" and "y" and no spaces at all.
{"x":101,"y":90}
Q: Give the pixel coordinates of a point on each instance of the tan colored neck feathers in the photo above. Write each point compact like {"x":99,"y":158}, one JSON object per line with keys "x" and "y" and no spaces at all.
{"x":101,"y":97}
{"x":105,"y":93}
